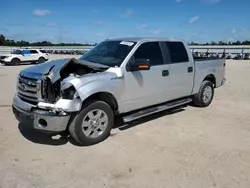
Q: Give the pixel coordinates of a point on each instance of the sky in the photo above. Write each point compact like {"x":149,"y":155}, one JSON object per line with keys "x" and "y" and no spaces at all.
{"x":92,"y":21}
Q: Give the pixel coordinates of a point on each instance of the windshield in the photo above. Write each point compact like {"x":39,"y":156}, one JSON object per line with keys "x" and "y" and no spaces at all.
{"x":109,"y":53}
{"x":17,"y":52}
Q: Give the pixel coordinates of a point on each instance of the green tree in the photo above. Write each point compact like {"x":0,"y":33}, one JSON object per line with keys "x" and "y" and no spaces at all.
{"x":222,"y":43}
{"x":213,"y":43}
{"x":194,"y":43}
{"x":246,"y":42}
{"x":2,"y":40}
{"x":236,"y":43}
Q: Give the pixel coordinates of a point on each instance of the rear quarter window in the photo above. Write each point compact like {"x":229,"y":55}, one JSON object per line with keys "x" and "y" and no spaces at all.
{"x":178,"y":52}
{"x":33,"y":52}
{"x":43,"y":51}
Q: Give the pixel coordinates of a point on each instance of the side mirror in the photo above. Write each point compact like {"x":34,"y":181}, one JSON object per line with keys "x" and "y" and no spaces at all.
{"x":139,"y":64}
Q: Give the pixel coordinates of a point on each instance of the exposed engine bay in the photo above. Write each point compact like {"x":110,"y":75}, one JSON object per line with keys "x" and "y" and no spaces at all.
{"x":52,"y":80}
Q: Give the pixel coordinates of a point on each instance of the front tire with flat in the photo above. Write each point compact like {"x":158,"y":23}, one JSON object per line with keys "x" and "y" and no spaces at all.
{"x":205,"y":95}
{"x":93,"y":123}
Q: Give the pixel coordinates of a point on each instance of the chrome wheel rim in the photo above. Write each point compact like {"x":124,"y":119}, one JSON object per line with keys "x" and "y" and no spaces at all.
{"x":94,"y":123}
{"x":207,"y":94}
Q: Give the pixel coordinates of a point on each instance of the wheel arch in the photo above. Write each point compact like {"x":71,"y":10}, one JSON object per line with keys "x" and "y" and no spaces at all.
{"x":105,"y":97}
{"x":211,"y":78}
{"x":16,"y":58}
{"x":41,"y":57}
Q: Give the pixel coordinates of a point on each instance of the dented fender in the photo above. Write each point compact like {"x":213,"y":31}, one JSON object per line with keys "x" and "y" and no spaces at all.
{"x":90,"y":84}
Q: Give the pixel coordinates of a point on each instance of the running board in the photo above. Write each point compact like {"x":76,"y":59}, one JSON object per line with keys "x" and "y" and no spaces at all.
{"x":155,"y":109}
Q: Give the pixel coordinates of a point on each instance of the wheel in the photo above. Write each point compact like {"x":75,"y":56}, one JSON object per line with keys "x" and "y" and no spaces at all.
{"x":205,"y":95}
{"x":15,"y":61}
{"x":93,"y":123}
{"x":41,"y":60}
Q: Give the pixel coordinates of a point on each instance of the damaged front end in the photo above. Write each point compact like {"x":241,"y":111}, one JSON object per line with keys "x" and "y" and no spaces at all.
{"x":46,"y":94}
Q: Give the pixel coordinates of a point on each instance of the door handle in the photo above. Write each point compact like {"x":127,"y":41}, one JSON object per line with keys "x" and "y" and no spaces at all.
{"x":165,"y":73}
{"x":190,"y":69}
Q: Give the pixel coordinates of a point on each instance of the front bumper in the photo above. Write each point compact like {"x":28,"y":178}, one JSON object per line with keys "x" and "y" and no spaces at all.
{"x":43,"y":120}
{"x":4,"y":61}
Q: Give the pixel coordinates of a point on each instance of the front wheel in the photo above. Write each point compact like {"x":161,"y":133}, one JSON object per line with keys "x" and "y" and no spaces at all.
{"x":93,"y":123}
{"x":205,"y":95}
{"x":15,"y":61}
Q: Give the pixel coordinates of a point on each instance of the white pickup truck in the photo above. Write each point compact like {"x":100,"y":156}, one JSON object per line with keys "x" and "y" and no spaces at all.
{"x":129,"y":78}
{"x":23,"y":56}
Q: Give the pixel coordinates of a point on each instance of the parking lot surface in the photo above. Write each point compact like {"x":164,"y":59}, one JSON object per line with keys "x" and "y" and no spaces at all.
{"x":190,"y":147}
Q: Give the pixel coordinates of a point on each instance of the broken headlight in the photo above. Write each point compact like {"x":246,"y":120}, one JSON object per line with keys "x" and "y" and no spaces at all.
{"x":69,"y":93}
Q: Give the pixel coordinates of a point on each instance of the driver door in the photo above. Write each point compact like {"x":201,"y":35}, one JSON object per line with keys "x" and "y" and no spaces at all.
{"x":144,"y":88}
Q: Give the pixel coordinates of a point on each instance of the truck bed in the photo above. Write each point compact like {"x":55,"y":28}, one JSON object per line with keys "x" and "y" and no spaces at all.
{"x":211,"y":65}
{"x":206,"y":58}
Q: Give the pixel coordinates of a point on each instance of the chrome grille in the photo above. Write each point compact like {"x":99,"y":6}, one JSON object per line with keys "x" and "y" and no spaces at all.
{"x":29,"y":89}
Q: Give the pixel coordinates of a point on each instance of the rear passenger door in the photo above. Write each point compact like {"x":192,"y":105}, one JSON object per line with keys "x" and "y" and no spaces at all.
{"x":34,"y":55}
{"x":181,"y":70}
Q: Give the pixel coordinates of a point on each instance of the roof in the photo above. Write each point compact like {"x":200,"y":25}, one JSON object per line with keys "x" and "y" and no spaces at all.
{"x":29,"y":49}
{"x":144,"y":39}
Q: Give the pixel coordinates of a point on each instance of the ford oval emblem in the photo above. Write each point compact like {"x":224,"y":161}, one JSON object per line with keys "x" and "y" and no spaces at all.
{"x":23,"y":87}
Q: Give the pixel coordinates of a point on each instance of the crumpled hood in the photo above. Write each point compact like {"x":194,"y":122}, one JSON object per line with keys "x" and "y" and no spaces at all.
{"x":54,"y":67}
{"x":45,"y":67}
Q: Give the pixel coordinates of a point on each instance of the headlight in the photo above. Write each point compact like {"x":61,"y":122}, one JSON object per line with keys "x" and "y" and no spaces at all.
{"x":17,"y":81}
{"x":4,"y":57}
{"x":69,"y":93}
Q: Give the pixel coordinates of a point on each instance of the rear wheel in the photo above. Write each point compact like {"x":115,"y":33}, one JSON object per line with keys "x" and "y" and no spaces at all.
{"x":205,"y":95}
{"x":93,"y":123}
{"x":41,"y":60}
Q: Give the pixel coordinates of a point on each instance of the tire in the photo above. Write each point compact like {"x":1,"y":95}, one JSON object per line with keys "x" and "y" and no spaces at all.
{"x":205,"y":95}
{"x":15,"y":61}
{"x":41,"y":60}
{"x":94,"y":129}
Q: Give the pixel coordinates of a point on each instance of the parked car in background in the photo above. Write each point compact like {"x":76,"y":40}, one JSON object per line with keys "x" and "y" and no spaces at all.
{"x":214,"y":55}
{"x":20,"y":56}
{"x":246,"y":56}
{"x":229,"y":56}
{"x":238,"y":57}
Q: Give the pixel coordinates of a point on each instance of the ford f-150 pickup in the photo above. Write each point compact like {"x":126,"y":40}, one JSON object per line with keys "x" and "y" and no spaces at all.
{"x":128,"y":78}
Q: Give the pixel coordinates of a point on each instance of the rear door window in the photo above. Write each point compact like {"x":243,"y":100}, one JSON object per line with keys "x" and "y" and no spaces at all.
{"x":178,"y":52}
{"x":33,"y":52}
{"x":43,"y":51}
